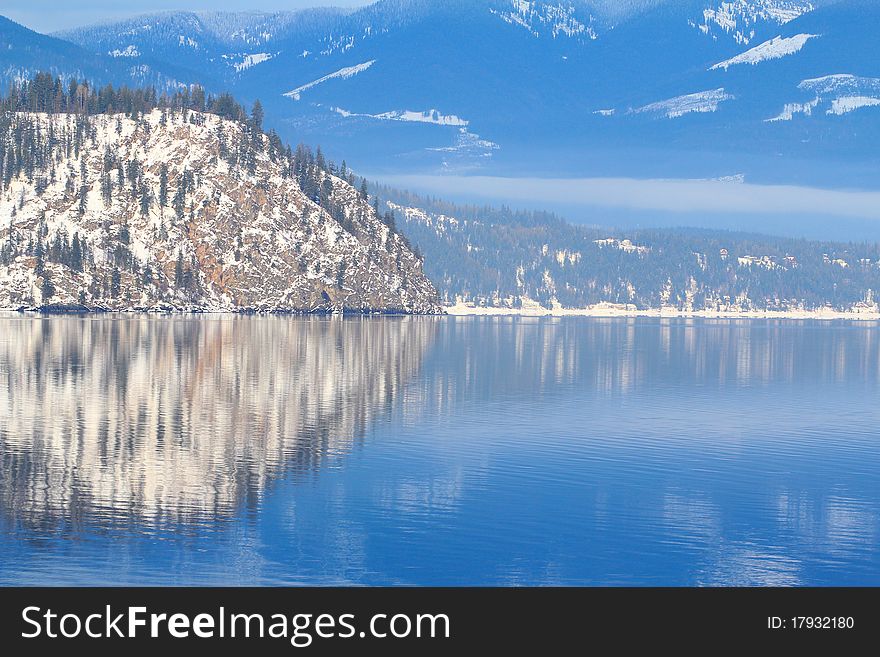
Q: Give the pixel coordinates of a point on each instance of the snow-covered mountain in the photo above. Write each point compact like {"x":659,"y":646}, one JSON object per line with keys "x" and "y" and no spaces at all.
{"x":575,"y":87}
{"x":185,"y":209}
{"x":23,"y":52}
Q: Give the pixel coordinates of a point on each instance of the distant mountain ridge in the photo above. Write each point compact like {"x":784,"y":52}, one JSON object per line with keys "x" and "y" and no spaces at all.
{"x":554,"y":88}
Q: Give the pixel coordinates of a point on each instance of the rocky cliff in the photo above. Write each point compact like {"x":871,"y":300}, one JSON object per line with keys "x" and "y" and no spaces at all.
{"x":183,"y":210}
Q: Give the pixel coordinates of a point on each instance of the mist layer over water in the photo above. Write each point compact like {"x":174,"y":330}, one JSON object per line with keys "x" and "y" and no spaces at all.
{"x":787,"y":210}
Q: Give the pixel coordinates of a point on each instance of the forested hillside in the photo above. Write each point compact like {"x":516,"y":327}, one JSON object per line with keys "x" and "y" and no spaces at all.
{"x":499,"y":257}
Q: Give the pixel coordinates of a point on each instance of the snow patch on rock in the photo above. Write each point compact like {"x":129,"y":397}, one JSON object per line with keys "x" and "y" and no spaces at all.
{"x":129,"y":51}
{"x":341,"y":74}
{"x":847,"y":104}
{"x":700,"y":102}
{"x":242,"y":62}
{"x":775,"y":48}
{"x":428,"y":116}
{"x":837,"y":94}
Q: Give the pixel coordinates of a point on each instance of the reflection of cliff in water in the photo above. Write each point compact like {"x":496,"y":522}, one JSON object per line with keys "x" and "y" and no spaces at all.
{"x":181,"y":419}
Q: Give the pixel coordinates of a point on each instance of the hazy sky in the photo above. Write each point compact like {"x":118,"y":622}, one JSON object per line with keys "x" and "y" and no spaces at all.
{"x":50,"y":15}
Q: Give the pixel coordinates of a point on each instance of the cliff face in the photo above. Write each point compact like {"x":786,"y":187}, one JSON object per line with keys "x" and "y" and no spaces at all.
{"x":188,"y":211}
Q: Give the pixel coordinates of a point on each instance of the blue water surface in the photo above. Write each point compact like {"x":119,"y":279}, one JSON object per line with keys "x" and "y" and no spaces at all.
{"x":231,"y":450}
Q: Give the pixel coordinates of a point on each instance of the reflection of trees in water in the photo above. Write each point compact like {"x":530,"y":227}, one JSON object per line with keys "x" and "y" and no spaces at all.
{"x":181,"y":419}
{"x":482,"y":358}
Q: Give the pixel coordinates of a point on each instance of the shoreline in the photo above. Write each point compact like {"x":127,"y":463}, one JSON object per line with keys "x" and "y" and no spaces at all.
{"x":464,"y":311}
{"x":610,"y":312}
{"x":62,"y":310}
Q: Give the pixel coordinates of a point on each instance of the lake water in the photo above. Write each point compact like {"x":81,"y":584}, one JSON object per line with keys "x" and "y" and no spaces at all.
{"x":438,"y":451}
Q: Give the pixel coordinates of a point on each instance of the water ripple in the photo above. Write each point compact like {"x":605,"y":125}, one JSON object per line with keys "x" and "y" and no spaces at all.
{"x":461,"y":451}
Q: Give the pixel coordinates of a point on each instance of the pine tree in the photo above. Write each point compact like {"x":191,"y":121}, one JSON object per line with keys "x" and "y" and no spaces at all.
{"x":115,"y":283}
{"x":47,"y":290}
{"x":389,"y":221}
{"x":76,"y":254}
{"x":163,"y":185}
{"x":107,"y":188}
{"x":39,"y":254}
{"x":83,"y":187}
{"x":178,"y":270}
{"x":257,"y":116}
{"x":179,"y":202}
{"x":145,"y":201}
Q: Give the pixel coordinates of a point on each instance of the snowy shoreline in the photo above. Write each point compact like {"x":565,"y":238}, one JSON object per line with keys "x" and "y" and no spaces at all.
{"x":612,"y":311}
{"x":466,"y":310}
